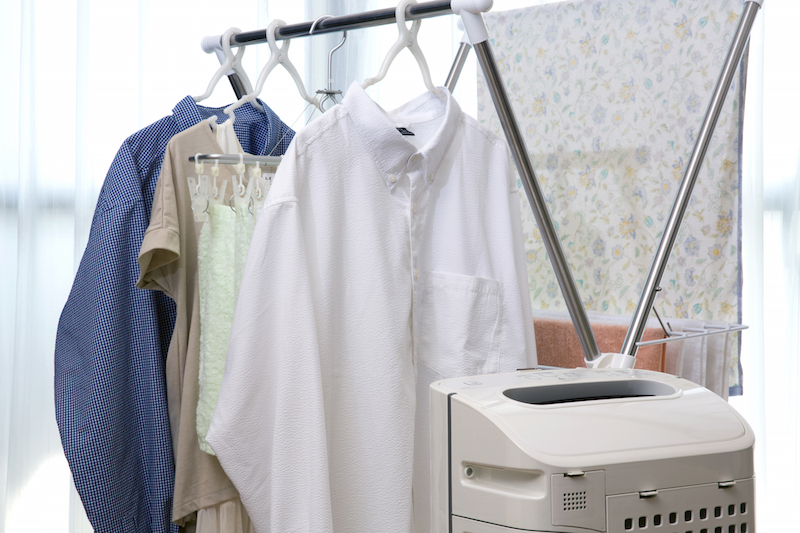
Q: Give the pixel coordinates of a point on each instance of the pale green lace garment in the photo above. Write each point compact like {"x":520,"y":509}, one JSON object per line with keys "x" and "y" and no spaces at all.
{"x":222,"y":251}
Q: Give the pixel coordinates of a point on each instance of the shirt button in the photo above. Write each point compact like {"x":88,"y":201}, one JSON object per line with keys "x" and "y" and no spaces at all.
{"x":392,"y":178}
{"x":414,"y":208}
{"x":430,"y":176}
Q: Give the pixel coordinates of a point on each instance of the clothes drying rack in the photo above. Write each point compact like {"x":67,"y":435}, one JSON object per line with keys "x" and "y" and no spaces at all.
{"x":476,"y":35}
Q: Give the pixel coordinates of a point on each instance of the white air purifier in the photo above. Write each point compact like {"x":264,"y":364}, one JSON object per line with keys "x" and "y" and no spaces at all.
{"x":588,"y":450}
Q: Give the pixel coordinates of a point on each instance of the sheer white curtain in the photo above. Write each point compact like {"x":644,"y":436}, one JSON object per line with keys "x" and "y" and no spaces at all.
{"x":78,"y":76}
{"x":771,"y":245}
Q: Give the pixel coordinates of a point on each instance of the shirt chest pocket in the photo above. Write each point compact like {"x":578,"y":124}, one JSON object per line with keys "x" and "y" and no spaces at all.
{"x":460,"y":326}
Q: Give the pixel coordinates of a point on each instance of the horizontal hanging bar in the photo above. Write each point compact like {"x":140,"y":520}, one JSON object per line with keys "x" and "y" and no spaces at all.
{"x":367,"y":19}
{"x":233,"y":159}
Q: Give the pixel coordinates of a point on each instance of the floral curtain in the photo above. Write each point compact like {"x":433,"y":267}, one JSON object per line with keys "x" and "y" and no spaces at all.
{"x":610,"y":96}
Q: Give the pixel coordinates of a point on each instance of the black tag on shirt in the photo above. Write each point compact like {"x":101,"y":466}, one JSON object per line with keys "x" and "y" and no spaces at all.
{"x":404,"y":131}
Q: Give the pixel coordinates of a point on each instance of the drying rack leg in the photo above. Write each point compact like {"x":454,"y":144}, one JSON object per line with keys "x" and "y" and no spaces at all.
{"x":553,"y":246}
{"x":648,"y":295}
{"x":458,"y":66}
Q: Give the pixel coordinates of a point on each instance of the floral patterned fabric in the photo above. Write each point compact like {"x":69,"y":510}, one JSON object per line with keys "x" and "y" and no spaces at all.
{"x":610,"y":96}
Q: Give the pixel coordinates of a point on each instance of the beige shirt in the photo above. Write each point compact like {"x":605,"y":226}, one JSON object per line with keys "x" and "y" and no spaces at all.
{"x":168,"y":263}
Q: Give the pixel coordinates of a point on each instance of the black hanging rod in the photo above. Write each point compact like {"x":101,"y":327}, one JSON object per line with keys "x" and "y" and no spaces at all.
{"x":367,"y":19}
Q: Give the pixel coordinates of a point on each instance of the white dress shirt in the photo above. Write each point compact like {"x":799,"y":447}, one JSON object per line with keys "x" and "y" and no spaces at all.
{"x":379,"y":264}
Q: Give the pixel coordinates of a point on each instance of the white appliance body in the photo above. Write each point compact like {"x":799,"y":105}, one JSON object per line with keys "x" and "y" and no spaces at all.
{"x":585,"y":450}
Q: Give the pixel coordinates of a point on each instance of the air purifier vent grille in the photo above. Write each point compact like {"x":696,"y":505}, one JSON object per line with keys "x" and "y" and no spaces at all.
{"x":694,"y":509}
{"x":574,"y":501}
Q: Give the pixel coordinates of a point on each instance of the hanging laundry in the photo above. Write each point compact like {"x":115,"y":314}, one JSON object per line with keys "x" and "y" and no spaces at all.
{"x":227,"y":517}
{"x":114,"y":406}
{"x":168,"y":263}
{"x":379,"y":264}
{"x":222,"y":250}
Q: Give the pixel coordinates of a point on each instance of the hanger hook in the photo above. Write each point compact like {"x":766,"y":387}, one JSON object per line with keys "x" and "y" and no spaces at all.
{"x":407,"y":38}
{"x":240,"y":167}
{"x":330,"y":60}
{"x":198,"y":164}
{"x":228,"y":62}
{"x":330,"y":54}
{"x":409,"y":35}
{"x":235,"y":59}
{"x":317,"y":21}
{"x":278,"y":55}
{"x":330,"y":93}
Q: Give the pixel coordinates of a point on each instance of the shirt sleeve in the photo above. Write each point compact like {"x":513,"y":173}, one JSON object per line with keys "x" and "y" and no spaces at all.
{"x":161,"y":246}
{"x":269,"y":425}
{"x":110,"y":392}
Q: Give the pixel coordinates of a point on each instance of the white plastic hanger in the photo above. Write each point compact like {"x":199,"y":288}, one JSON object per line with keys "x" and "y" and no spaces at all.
{"x":228,"y":62}
{"x":280,"y":56}
{"x":406,"y":39}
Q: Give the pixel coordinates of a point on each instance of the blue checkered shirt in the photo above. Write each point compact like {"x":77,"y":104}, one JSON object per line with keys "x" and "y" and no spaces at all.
{"x":112,"y":340}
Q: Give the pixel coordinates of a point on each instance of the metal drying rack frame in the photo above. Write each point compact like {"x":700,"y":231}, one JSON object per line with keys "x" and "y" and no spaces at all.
{"x":230,"y":159}
{"x":471,"y":14}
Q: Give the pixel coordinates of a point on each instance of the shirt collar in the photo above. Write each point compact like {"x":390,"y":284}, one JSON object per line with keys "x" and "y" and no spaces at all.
{"x":390,"y":150}
{"x":187,"y":114}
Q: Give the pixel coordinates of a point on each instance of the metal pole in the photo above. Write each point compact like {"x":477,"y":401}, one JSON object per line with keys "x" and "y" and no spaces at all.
{"x":549,"y":236}
{"x":366,"y":19}
{"x":648,"y":295}
{"x":458,"y":65}
{"x":234,"y":159}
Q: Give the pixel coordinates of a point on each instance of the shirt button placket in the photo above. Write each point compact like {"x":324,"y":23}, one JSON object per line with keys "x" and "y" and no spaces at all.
{"x":416,"y":176}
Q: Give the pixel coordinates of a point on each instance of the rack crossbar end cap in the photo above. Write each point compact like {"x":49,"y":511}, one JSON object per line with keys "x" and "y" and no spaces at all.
{"x":470,"y":13}
{"x":612,"y":360}
{"x":211,"y":43}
